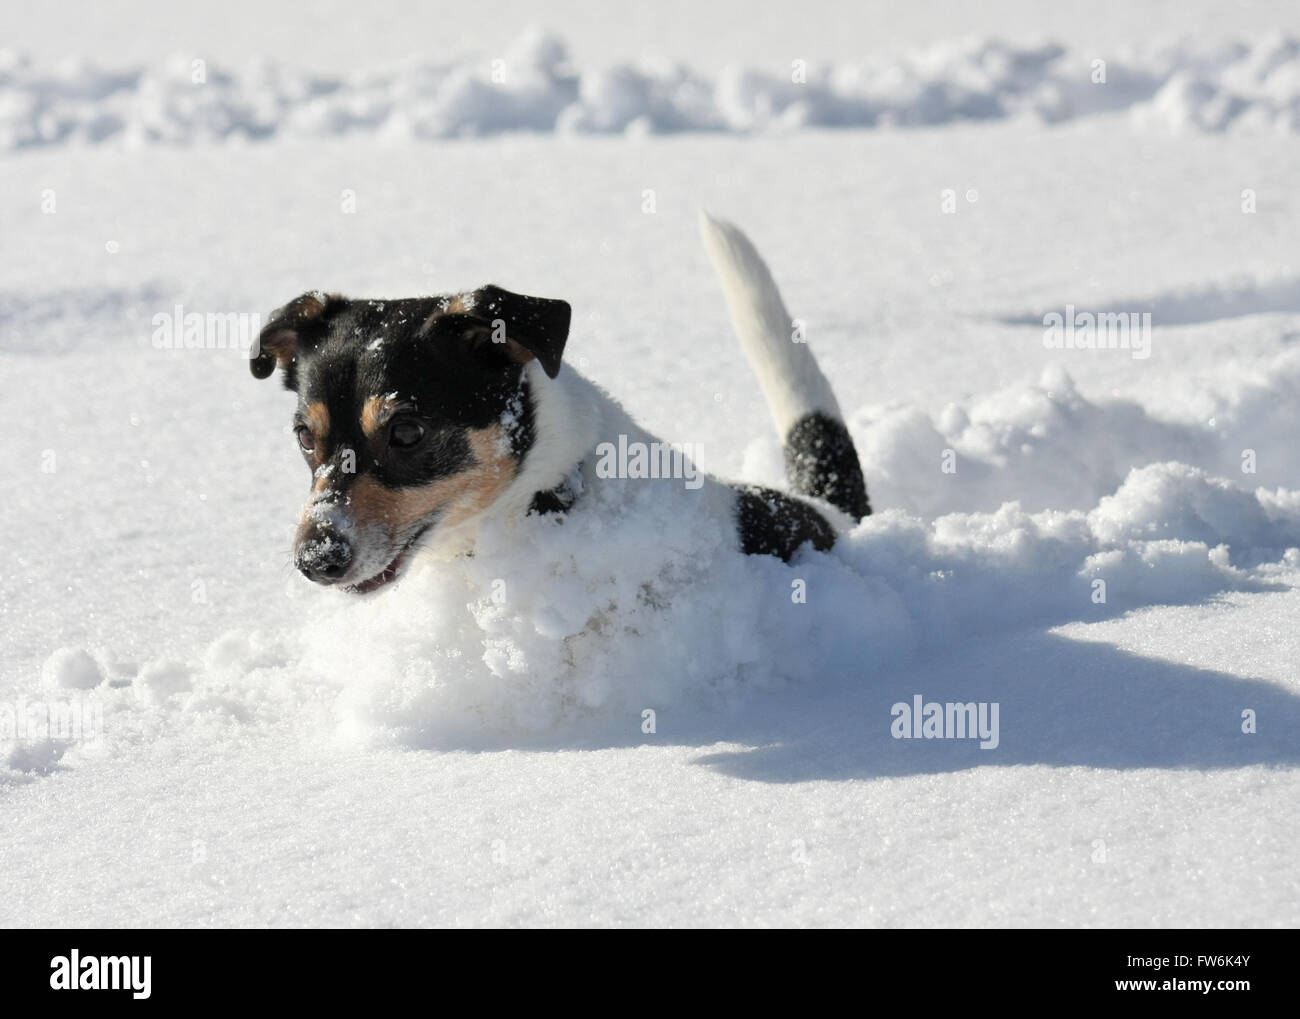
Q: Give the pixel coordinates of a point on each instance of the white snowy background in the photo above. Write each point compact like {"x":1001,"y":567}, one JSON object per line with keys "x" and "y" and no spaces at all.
{"x":274,"y":754}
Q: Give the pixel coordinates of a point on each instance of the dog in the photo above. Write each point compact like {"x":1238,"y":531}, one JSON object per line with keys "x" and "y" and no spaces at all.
{"x":422,"y":418}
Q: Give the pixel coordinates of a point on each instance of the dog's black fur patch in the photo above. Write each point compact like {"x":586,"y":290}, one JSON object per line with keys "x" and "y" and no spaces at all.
{"x":375,"y":347}
{"x":444,"y":356}
{"x":555,"y":500}
{"x":559,"y":499}
{"x":821,"y":461}
{"x":772,"y":523}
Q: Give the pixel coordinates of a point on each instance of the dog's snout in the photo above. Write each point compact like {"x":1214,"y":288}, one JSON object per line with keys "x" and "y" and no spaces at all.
{"x":324,"y":560}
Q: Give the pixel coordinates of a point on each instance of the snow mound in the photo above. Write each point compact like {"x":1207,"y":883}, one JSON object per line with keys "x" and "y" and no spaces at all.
{"x":537,"y":638}
{"x":71,"y":669}
{"x":1047,"y":446}
{"x":1059,"y":509}
{"x":575,"y":629}
{"x":532,"y":86}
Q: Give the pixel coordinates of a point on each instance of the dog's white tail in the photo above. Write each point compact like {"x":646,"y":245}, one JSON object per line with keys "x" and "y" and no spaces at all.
{"x":820,"y":458}
{"x":793,"y":385}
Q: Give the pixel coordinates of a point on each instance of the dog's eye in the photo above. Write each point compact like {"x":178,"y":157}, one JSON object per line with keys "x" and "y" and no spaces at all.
{"x":305,"y":438}
{"x":405,"y":433}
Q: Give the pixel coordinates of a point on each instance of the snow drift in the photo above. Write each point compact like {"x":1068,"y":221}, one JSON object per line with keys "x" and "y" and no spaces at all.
{"x":532,"y":86}
{"x":577,"y":627}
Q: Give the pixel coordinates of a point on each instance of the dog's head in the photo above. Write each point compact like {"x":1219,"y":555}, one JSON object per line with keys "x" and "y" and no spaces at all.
{"x":413,"y":416}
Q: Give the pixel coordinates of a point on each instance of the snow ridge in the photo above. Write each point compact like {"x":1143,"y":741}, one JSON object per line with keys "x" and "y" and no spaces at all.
{"x":532,"y":86}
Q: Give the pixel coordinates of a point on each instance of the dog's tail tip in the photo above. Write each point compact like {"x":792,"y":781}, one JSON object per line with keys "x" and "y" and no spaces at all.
{"x":720,"y":234}
{"x":707,"y":220}
{"x":712,"y":228}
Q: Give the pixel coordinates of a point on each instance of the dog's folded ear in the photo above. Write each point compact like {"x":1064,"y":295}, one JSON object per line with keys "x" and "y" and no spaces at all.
{"x":529,"y":327}
{"x":295,"y":327}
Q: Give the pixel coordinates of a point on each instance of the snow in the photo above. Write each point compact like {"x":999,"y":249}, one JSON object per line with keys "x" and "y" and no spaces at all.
{"x":472,"y":745}
{"x":1250,"y":83}
{"x":71,"y":669}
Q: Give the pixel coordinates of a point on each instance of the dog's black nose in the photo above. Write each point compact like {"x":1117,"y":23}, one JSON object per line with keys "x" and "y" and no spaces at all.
{"x":324,"y":560}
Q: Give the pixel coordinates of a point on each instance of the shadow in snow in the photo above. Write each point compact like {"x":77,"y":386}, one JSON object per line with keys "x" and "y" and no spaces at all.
{"x":76,"y":318}
{"x":1189,"y":306}
{"x":1061,"y":702}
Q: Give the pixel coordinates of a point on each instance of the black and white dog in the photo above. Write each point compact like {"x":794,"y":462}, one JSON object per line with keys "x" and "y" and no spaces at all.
{"x":423,"y":418}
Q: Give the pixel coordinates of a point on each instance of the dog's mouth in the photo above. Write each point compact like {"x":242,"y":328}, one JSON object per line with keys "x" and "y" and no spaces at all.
{"x":390,"y":572}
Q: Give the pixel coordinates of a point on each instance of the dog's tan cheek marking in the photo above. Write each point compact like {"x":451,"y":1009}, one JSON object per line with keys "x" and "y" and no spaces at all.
{"x":495,"y":467}
{"x":371,"y":504}
{"x":462,"y":494}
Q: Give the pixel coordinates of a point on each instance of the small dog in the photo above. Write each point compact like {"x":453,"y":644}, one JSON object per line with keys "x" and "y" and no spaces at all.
{"x":422,"y":418}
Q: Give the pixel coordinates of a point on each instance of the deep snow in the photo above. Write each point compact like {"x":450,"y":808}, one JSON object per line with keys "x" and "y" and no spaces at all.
{"x":276,"y":754}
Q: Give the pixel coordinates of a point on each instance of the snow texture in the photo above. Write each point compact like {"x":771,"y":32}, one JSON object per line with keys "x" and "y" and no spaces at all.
{"x":1107,"y":547}
{"x":1240,"y":84}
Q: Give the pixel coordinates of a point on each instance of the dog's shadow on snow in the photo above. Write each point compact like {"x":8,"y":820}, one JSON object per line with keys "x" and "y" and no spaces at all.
{"x":1062,"y":702}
